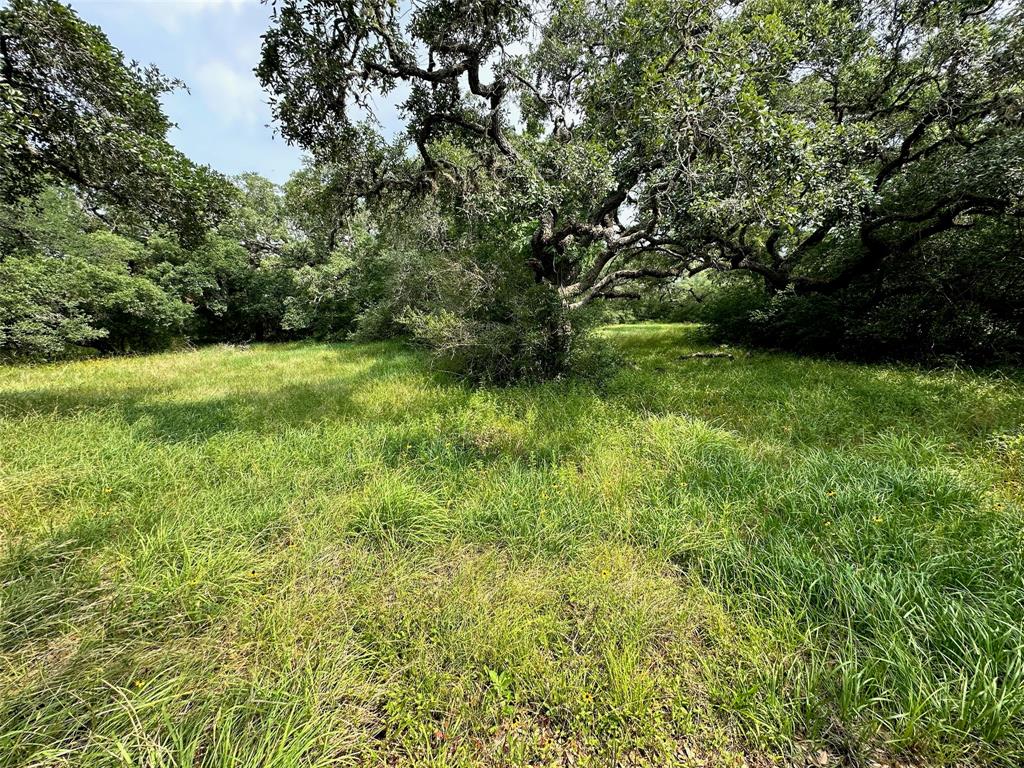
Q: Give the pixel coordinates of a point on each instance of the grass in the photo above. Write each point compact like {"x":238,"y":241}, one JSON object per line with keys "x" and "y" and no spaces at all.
{"x":322,"y":555}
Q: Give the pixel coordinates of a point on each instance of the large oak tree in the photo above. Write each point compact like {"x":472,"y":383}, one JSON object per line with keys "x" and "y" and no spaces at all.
{"x":648,"y":139}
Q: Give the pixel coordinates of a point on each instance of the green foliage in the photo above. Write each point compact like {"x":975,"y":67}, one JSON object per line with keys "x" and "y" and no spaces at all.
{"x":70,"y":282}
{"x":321,"y":304}
{"x":493,"y":328}
{"x":860,"y":160}
{"x":137,"y":294}
{"x":820,"y":146}
{"x":268,"y":271}
{"x":956,"y":298}
{"x":461,"y":289}
{"x":41,"y":315}
{"x":137,"y":315}
{"x":72,"y":111}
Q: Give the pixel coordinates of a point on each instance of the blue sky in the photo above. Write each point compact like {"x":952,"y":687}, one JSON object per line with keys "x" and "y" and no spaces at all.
{"x":213,"y":45}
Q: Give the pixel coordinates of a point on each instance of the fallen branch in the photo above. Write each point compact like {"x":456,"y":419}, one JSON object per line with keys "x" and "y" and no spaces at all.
{"x":704,"y":355}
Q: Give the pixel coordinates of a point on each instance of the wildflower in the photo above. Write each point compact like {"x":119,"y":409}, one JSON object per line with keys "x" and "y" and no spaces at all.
{"x":138,"y":683}
{"x":605,"y":572}
{"x":108,"y":490}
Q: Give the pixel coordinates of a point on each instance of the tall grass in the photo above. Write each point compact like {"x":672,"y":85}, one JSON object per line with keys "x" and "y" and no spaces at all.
{"x":314,"y":555}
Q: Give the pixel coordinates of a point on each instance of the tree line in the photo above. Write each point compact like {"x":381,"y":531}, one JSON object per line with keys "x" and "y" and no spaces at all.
{"x":830,"y":176}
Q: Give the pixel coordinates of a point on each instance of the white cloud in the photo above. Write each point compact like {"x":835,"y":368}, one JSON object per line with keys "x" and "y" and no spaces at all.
{"x":174,"y":15}
{"x":231,"y":91}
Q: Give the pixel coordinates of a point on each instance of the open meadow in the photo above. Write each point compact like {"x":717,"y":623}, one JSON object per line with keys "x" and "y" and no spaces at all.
{"x":313,"y":555}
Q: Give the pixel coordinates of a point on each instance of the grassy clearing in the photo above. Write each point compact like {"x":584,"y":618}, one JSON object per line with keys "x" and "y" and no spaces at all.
{"x":318,"y":555}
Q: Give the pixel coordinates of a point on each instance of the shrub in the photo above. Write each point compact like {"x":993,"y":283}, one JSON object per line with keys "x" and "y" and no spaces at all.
{"x":41,"y":315}
{"x":958,"y":298}
{"x":494,"y":324}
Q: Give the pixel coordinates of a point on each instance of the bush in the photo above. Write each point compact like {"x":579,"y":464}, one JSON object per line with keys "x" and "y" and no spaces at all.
{"x":71,"y":281}
{"x":41,"y":314}
{"x":135,"y":314}
{"x":958,"y":299}
{"x":729,"y":305}
{"x":494,"y":324}
{"x":678,"y":302}
{"x":50,"y":307}
{"x":321,"y":302}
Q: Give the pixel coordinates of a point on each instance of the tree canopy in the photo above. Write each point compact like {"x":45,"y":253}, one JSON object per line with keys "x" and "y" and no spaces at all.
{"x":72,"y":110}
{"x":810,"y":143}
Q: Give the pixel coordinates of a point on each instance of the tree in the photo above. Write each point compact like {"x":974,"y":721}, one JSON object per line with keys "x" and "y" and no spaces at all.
{"x":69,"y":283}
{"x":72,"y":111}
{"x":593,"y":95}
{"x":809,"y":143}
{"x":913,"y":110}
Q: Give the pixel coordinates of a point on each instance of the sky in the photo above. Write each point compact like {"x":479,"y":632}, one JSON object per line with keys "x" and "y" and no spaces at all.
{"x":212,"y":45}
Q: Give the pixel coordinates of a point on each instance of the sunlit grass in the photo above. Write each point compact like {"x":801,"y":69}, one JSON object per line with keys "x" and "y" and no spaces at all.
{"x":312,"y":555}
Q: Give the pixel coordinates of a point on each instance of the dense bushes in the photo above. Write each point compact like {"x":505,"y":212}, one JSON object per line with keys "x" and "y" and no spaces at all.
{"x":41,"y":317}
{"x":869,"y":189}
{"x":461,"y":289}
{"x":495,"y":324}
{"x":961,"y":297}
{"x":72,"y":281}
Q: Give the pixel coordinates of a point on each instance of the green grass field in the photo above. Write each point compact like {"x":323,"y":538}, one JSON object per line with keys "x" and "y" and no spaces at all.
{"x":314,"y":555}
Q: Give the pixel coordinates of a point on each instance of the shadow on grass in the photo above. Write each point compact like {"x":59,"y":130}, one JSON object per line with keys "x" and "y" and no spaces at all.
{"x":166,"y":412}
{"x":818,"y":402}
